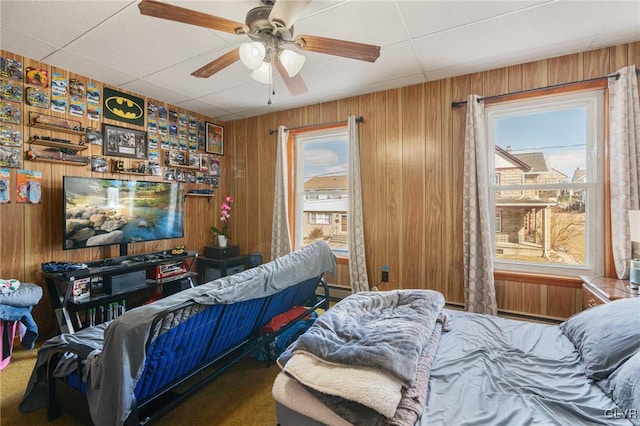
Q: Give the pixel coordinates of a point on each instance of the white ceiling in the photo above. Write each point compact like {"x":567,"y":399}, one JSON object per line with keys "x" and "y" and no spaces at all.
{"x":110,"y":41}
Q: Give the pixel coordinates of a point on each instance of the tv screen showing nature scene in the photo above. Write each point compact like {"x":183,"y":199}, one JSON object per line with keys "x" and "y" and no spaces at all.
{"x":100,"y":212}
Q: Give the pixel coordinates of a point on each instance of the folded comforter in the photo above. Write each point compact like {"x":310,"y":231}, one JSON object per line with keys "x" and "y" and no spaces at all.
{"x":368,"y":353}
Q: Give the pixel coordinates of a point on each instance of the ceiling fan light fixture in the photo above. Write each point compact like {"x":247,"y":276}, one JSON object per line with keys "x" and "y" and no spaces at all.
{"x":252,"y":54}
{"x":291,"y":61}
{"x":263,"y":73}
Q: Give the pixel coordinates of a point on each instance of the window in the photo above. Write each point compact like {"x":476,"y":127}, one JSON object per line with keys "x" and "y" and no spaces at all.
{"x":548,"y":200}
{"x":319,"y":218}
{"x":321,"y":188}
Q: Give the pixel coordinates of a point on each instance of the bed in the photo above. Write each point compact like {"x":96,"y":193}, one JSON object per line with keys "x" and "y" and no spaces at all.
{"x":399,"y":357}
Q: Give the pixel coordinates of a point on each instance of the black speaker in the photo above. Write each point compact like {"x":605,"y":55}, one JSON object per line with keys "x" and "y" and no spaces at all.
{"x":255,"y":259}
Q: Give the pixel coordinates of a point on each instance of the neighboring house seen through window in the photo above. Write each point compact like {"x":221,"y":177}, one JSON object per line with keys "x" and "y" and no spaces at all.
{"x":548,"y":201}
{"x":321,"y":188}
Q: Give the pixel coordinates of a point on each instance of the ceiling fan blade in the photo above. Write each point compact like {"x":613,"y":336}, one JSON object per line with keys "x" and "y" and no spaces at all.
{"x":347,"y":49}
{"x":295,"y":84}
{"x":285,"y":12}
{"x":218,"y":64}
{"x":180,"y":14}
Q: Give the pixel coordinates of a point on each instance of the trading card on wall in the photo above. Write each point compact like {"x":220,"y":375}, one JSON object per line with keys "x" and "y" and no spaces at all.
{"x":93,"y":112}
{"x":98,"y":164}
{"x":214,"y":181}
{"x":28,"y":186}
{"x":5,"y":196}
{"x":181,"y":176}
{"x":191,"y":176}
{"x":76,"y":89}
{"x":10,"y":156}
{"x":10,"y":90}
{"x":173,"y":116}
{"x":94,"y":137}
{"x":215,"y":167}
{"x":93,"y":94}
{"x":10,"y":136}
{"x":59,"y":84}
{"x":204,"y":162}
{"x":169,"y":173}
{"x":76,"y":108}
{"x":155,"y":169}
{"x":183,"y":119}
{"x":152,"y":110}
{"x":9,"y":113}
{"x":199,"y":177}
{"x":10,"y":68}
{"x":36,"y":97}
{"x":37,"y":76}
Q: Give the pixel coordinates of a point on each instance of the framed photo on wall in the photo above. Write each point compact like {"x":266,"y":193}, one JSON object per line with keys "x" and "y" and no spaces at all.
{"x":214,"y":136}
{"x":122,"y":142}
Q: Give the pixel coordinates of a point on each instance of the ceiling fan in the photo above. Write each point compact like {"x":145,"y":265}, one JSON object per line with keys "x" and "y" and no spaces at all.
{"x":270,"y":28}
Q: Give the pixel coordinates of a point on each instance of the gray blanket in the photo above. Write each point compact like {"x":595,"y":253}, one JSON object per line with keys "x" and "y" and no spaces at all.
{"x":119,"y":366}
{"x":383,"y":330}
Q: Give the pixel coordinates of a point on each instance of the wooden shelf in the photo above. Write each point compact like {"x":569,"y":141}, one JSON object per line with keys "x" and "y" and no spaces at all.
{"x":51,"y":160}
{"x":208,"y":196}
{"x":178,"y":166}
{"x":55,"y":144}
{"x":58,"y":129}
{"x":33,"y":156}
{"x":124,"y":172}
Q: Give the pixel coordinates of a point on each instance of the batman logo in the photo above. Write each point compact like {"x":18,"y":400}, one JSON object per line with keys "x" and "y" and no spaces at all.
{"x":123,"y":107}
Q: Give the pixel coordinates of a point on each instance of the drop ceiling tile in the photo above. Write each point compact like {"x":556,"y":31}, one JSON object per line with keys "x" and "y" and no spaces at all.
{"x":56,"y":22}
{"x":430,"y":17}
{"x":14,"y":42}
{"x":156,"y":92}
{"x":543,"y":26}
{"x":142,"y":45}
{"x":100,"y":72}
{"x":378,"y":23}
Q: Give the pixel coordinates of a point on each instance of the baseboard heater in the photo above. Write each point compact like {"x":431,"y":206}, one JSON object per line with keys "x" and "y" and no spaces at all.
{"x":513,"y":315}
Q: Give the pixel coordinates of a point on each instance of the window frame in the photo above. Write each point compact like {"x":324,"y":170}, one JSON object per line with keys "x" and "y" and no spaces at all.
{"x":593,"y":98}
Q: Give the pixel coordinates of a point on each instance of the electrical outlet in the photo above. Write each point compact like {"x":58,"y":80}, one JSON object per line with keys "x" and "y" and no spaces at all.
{"x":385,"y":274}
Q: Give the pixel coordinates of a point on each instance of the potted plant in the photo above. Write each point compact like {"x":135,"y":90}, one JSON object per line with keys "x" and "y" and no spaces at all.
{"x":225,"y":215}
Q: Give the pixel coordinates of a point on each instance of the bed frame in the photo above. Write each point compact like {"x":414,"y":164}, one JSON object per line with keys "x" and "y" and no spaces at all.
{"x":202,"y":344}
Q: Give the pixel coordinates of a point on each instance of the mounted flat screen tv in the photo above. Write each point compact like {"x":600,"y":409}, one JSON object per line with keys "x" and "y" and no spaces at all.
{"x":101,"y":212}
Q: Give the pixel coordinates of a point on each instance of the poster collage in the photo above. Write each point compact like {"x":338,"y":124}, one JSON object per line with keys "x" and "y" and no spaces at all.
{"x":167,"y":145}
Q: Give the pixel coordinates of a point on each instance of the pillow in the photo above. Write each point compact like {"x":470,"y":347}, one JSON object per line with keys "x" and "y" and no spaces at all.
{"x":605,"y":335}
{"x":26,"y":295}
{"x":623,"y":386}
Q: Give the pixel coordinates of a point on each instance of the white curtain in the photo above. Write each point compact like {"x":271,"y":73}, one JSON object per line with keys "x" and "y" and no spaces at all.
{"x":480,"y":294}
{"x":624,"y":156}
{"x":280,"y":235}
{"x":355,"y":228}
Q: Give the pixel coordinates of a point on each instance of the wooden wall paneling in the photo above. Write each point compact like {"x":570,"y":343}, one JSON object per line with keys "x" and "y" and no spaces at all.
{"x":565,"y":69}
{"x":534,"y":298}
{"x":369,"y":177}
{"x":412,"y":233}
{"x":434,"y":212}
{"x":477,"y":84}
{"x":534,"y":75}
{"x":254,"y":135}
{"x":618,"y":58}
{"x":515,"y":77}
{"x":378,"y":244}
{"x":266,"y":164}
{"x":596,"y":63}
{"x":496,"y":82}
{"x":247,"y":154}
{"x":561,"y":301}
{"x":634,"y":54}
{"x":394,"y":201}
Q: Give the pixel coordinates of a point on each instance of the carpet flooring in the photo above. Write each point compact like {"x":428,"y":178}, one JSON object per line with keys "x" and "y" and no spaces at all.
{"x":241,"y":396}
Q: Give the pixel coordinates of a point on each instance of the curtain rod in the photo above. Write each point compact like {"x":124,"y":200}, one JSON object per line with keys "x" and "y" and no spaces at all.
{"x":617,"y":76}
{"x":358,"y":120}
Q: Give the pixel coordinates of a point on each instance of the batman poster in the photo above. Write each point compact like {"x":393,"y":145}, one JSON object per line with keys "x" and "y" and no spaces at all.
{"x":123,"y":107}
